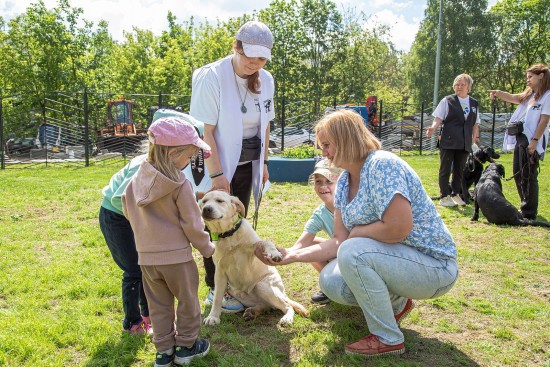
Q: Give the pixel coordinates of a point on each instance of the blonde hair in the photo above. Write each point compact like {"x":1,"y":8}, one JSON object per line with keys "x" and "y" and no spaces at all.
{"x":467,"y":78}
{"x":544,"y":83}
{"x":346,"y":131}
{"x":162,"y":157}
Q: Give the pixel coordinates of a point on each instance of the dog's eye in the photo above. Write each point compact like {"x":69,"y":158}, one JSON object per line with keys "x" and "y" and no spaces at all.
{"x":220,"y":201}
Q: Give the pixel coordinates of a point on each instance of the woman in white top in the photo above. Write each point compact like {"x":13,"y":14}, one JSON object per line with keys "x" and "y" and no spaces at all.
{"x":458,"y":116}
{"x":530,"y":145}
{"x":234,"y":98}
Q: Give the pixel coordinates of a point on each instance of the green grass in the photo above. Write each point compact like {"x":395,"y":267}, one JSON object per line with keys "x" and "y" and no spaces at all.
{"x":60,"y":290}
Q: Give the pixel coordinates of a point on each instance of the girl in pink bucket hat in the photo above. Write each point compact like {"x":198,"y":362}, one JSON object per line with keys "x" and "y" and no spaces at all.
{"x":160,"y":204}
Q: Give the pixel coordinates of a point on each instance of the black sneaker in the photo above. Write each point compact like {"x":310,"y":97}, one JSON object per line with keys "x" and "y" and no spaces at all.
{"x":164,"y":359}
{"x":320,"y":298}
{"x":186,"y":355}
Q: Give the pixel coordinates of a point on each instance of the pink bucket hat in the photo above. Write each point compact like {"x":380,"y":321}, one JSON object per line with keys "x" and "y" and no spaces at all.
{"x":173,"y":131}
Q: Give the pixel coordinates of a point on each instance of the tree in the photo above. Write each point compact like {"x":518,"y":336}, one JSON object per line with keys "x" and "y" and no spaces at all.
{"x":522,"y":30}
{"x":466,"y":46}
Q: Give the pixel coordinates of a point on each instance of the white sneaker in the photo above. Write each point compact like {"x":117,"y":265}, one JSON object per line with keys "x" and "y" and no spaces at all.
{"x":458,"y":200}
{"x":447,"y":201}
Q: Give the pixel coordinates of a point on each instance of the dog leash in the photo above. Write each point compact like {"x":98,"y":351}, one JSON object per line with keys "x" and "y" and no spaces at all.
{"x":255,"y":216}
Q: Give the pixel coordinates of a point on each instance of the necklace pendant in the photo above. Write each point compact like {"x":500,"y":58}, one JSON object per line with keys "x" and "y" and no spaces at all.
{"x":243,"y":108}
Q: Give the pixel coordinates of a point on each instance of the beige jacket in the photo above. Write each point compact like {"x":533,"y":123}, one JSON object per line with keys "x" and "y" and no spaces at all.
{"x":165,"y":218}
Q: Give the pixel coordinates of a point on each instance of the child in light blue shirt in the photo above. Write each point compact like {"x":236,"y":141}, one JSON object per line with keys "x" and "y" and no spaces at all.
{"x":324,"y":180}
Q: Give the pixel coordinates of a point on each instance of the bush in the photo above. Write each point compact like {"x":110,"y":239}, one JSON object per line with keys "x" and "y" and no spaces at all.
{"x":303,"y":151}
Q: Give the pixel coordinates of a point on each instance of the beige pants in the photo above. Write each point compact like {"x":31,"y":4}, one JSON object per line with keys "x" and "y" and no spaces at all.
{"x":163,"y":283}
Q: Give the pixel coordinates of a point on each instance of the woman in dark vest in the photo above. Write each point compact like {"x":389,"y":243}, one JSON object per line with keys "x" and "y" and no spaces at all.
{"x":458,"y":117}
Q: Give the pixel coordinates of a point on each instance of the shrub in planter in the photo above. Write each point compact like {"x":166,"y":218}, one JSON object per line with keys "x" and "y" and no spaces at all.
{"x":302,"y":151}
{"x":294,"y":164}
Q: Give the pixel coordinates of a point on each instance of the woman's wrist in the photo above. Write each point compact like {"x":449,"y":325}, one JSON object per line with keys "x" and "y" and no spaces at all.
{"x":216,"y":174}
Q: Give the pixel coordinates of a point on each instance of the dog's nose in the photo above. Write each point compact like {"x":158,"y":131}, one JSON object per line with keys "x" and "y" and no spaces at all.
{"x":207,"y":211}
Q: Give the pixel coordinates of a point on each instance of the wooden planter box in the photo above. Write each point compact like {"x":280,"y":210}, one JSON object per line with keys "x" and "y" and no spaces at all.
{"x":290,"y":169}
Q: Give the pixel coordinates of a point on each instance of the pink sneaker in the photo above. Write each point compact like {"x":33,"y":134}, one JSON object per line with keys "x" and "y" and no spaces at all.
{"x":142,"y":328}
{"x":146,"y":319}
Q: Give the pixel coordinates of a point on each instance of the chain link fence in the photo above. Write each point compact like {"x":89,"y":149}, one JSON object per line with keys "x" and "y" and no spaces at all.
{"x":82,"y":128}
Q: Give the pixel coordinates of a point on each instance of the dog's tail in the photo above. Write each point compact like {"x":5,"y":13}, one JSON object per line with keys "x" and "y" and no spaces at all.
{"x":298,"y":307}
{"x":529,"y":222}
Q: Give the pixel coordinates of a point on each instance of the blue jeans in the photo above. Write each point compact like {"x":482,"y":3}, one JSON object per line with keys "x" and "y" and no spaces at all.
{"x":380,"y":277}
{"x":120,"y":239}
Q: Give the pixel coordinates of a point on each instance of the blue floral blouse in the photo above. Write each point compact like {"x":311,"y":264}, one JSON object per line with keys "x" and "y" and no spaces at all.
{"x":382,"y":177}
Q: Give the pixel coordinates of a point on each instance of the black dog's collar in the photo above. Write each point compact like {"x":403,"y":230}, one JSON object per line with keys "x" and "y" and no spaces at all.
{"x":229,"y":233}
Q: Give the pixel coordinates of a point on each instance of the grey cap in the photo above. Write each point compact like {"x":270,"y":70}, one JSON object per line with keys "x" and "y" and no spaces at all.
{"x":256,"y":38}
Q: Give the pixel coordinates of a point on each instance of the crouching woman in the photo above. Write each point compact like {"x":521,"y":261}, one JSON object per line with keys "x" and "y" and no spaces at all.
{"x":391,"y":245}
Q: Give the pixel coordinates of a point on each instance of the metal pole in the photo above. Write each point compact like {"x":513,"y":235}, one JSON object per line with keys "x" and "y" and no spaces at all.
{"x":493,"y":129}
{"x":438,"y":55}
{"x":421,"y":126}
{"x":380,"y":123}
{"x":86,"y":129}
{"x":283,"y":125}
{"x":2,"y":163}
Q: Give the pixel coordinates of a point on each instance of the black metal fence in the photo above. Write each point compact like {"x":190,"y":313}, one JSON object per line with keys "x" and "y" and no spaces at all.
{"x":83,"y":128}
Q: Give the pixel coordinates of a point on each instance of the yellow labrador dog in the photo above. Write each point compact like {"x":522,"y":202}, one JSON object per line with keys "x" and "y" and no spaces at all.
{"x":258,"y":286}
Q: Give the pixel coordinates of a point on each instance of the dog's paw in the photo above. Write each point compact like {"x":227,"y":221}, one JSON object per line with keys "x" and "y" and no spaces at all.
{"x":249,"y":314}
{"x":275,"y":256}
{"x":286,"y":320}
{"x":271,"y":251}
{"x":212,"y":320}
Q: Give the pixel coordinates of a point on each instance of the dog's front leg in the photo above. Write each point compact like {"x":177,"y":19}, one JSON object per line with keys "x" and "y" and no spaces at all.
{"x":475,"y":217}
{"x":220,"y":282}
{"x":270,"y":250}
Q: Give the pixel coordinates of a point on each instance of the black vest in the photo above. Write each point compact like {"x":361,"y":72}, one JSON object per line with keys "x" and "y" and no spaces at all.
{"x":456,"y":131}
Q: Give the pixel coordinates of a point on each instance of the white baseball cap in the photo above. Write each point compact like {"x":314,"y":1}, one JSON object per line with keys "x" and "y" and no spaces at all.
{"x":256,"y":38}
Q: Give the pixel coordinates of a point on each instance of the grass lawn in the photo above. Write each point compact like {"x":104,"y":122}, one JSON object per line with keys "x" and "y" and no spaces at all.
{"x":60,"y":299}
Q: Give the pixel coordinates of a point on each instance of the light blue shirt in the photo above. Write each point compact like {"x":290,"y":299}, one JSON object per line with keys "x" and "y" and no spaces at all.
{"x":382,"y":177}
{"x":321,"y":220}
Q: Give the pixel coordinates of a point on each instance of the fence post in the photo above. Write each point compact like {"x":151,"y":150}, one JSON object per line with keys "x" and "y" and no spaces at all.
{"x":160,"y":100}
{"x":494,"y":107}
{"x":2,"y":163}
{"x":86,"y":129}
{"x":283,"y":122}
{"x":421,"y":126}
{"x":380,"y":123}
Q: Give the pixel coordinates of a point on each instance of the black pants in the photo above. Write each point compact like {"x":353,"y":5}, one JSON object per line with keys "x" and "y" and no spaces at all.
{"x":120,"y":239}
{"x":241,"y":187}
{"x":526,"y":171}
{"x":451,"y":160}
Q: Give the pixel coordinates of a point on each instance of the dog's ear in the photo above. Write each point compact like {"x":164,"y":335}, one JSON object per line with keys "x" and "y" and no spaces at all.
{"x":238,"y":204}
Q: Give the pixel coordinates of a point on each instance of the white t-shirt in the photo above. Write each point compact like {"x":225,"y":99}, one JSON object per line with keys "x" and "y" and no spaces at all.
{"x":531,"y":115}
{"x":251,"y":119}
{"x":442,"y":108}
{"x":207,"y":104}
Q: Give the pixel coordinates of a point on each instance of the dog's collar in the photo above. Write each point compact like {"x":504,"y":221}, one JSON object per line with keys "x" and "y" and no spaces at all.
{"x":229,"y":233}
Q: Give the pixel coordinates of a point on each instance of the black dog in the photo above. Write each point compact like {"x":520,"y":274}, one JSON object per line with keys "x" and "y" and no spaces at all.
{"x":474,"y":168}
{"x":494,"y":206}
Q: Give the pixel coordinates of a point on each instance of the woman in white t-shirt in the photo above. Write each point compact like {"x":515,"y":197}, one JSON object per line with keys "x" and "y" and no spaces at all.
{"x":458,"y":116}
{"x":234,"y":98}
{"x":530,"y":145}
